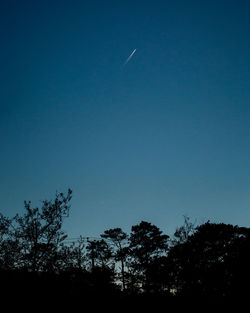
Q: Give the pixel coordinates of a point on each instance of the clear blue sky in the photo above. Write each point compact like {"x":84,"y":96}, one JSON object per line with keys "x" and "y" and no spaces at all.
{"x":166,"y":135}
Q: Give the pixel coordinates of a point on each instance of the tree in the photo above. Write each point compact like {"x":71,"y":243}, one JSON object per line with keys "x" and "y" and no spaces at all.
{"x":210,"y":262}
{"x":39,"y":233}
{"x":101,"y":275}
{"x":99,"y":253}
{"x":73,"y":256}
{"x":118,"y":239}
{"x":9,"y":248}
{"x":146,"y":243}
{"x":183,"y":232}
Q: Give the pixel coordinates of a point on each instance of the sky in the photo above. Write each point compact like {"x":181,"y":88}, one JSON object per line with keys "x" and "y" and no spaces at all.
{"x":164,"y":135}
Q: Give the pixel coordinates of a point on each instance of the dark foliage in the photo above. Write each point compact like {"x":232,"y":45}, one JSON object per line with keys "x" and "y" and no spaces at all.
{"x":208,"y":263}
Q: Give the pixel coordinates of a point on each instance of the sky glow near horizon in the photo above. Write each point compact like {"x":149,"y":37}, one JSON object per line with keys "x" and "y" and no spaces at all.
{"x":166,"y":136}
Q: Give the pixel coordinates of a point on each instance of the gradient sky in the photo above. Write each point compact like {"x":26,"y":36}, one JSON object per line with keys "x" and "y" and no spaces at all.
{"x":166,"y":135}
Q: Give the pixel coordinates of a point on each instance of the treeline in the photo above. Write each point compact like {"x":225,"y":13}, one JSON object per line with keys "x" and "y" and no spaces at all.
{"x":206,"y":261}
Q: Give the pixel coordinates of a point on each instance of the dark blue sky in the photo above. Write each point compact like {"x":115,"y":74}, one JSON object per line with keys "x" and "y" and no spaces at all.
{"x":166,"y":135}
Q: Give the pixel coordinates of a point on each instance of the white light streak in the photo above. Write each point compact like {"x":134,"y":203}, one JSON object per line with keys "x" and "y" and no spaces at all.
{"x":129,"y":58}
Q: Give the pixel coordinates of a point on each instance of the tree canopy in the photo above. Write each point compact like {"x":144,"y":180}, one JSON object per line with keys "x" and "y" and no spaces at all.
{"x":210,"y":260}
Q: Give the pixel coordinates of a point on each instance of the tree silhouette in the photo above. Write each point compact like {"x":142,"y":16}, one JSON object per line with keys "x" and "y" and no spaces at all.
{"x":146,"y":243}
{"x":9,"y":247}
{"x":206,"y":264}
{"x":183,"y":232}
{"x":99,"y":253}
{"x":39,"y":233}
{"x":118,"y":239}
{"x":73,"y":255}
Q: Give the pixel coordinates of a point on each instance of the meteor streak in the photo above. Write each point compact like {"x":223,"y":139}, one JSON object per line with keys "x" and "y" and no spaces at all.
{"x":129,"y":58}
